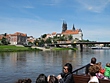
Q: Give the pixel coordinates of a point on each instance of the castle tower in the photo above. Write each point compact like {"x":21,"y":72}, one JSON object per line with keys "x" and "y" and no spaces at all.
{"x":73,"y":28}
{"x":64,"y":26}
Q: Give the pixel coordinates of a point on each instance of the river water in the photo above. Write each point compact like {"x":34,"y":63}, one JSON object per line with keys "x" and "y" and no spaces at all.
{"x":18,"y":65}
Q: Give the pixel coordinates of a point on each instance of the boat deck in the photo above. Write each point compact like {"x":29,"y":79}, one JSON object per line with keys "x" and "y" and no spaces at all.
{"x":83,"y":78}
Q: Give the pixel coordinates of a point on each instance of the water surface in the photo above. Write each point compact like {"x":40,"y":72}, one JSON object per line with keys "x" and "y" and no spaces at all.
{"x":17,"y":65}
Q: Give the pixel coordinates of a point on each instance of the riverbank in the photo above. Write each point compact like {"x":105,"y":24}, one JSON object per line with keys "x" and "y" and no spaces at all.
{"x":56,"y":48}
{"x":53,"y":48}
{"x":13,"y":48}
{"x":17,"y":48}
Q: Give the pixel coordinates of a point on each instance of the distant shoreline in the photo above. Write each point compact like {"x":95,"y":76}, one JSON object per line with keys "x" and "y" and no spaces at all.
{"x":13,"y":48}
{"x":19,"y":48}
{"x":64,"y":49}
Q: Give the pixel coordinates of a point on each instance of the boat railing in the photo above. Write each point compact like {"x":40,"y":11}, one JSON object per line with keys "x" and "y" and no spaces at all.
{"x":80,"y":70}
{"x":81,"y":77}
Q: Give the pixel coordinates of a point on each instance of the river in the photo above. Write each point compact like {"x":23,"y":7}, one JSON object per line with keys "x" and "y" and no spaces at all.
{"x":18,"y":65}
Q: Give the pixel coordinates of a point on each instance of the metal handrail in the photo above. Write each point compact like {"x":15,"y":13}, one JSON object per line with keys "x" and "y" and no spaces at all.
{"x":77,"y":70}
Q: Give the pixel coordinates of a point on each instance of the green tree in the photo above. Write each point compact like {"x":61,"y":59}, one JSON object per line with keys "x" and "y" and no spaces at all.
{"x":44,"y":35}
{"x":48,"y":40}
{"x":62,"y":38}
{"x":4,"y":41}
{"x":5,"y":34}
{"x":41,"y":43}
{"x":30,"y":43}
{"x":36,"y":42}
{"x":70,"y":37}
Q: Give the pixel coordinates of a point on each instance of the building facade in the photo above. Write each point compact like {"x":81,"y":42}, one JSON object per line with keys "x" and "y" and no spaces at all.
{"x":18,"y":38}
{"x":75,"y":33}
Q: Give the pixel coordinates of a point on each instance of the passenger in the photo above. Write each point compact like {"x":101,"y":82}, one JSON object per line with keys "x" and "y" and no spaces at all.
{"x":66,"y":76}
{"x":107,"y":71}
{"x":102,"y":70}
{"x":24,"y":80}
{"x":92,"y":73}
{"x":41,"y":79}
{"x":98,"y":73}
{"x":93,"y":61}
{"x":52,"y":79}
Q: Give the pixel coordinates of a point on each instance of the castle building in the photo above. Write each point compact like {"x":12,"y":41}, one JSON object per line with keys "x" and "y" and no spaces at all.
{"x":75,"y":33}
{"x":64,"y":26}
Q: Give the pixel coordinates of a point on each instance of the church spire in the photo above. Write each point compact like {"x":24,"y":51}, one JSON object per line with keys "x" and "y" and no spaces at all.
{"x":73,"y":28}
{"x":64,"y":26}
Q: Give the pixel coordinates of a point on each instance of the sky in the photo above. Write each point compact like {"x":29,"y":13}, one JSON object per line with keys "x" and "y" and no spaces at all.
{"x":38,"y":17}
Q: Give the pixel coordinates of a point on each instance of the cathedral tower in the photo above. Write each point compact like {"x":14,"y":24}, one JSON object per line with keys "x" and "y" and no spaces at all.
{"x":73,"y":28}
{"x":64,"y":26}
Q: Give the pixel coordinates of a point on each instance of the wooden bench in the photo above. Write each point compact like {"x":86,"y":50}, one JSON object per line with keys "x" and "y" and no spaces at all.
{"x":80,"y":78}
{"x":104,"y":81}
{"x":85,"y":79}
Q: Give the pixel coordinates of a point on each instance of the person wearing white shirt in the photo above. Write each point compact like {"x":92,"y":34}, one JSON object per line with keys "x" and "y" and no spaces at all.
{"x":92,"y":73}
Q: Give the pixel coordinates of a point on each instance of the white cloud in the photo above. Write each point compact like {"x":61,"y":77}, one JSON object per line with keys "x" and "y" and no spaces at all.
{"x":97,"y":34}
{"x":91,"y":5}
{"x":94,"y":5}
{"x":53,"y":2}
{"x":90,"y":8}
{"x":30,"y":26}
{"x":56,"y":1}
{"x":28,"y":7}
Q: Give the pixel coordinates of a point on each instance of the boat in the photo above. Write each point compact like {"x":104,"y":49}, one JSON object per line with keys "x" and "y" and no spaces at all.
{"x":96,"y":47}
{"x":104,"y":48}
{"x":80,"y":76}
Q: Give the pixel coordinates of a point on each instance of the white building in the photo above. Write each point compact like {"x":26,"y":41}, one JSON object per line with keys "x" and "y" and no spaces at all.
{"x":76,"y":33}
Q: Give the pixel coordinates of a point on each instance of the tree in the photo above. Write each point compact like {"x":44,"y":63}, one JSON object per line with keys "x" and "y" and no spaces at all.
{"x":44,"y":35}
{"x":48,"y":40}
{"x":4,"y":41}
{"x":70,"y":37}
{"x":5,"y":34}
{"x":30,"y":43}
{"x":62,"y":38}
{"x":41,"y":43}
{"x":36,"y":42}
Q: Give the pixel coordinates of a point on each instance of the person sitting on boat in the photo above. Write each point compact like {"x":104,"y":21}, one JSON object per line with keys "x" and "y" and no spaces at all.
{"x":52,"y":79}
{"x":102,"y":70}
{"x":92,"y":73}
{"x":93,"y":61}
{"x":66,"y":76}
{"x":98,"y":69}
{"x":107,"y":71}
{"x":42,"y":78}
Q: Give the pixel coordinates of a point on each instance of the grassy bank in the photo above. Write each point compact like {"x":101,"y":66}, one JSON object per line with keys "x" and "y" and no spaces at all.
{"x":12,"y":48}
{"x":65,"y":49}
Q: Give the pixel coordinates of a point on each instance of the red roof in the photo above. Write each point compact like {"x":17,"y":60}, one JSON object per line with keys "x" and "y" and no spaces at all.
{"x":54,"y":33}
{"x":70,"y":32}
{"x":18,"y":33}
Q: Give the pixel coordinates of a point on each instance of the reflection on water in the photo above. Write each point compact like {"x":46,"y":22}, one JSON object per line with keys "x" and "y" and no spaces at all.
{"x":16,"y":65}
